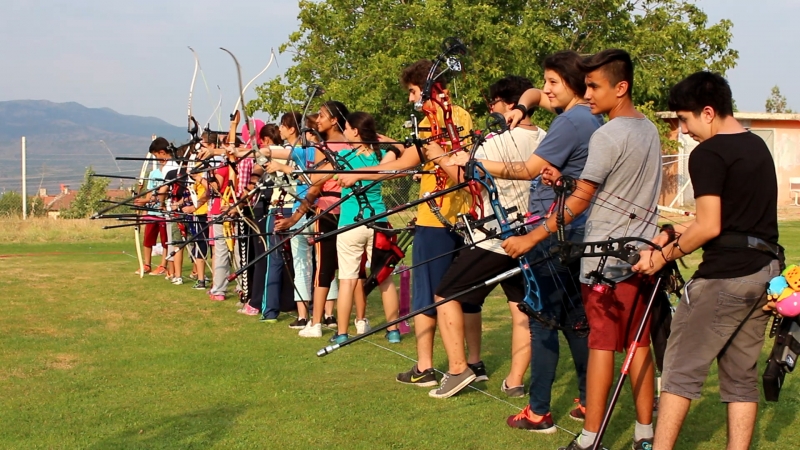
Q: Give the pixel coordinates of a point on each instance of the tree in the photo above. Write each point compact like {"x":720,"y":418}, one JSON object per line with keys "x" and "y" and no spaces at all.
{"x":11,"y":205}
{"x":356,"y":49}
{"x":88,"y":198}
{"x":776,"y":102}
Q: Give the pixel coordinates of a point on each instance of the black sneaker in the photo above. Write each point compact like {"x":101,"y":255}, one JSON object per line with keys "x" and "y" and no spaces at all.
{"x":643,"y":444}
{"x":200,"y":285}
{"x":523,"y":421}
{"x":574,"y":446}
{"x":426,"y":378}
{"x":479,"y":369}
{"x":298,"y":324}
{"x":453,"y":384}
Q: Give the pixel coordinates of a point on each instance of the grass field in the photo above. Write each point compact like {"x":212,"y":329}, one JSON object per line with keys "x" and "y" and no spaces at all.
{"x":93,"y":357}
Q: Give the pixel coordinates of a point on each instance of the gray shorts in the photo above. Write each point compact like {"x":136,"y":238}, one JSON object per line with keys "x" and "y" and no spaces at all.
{"x":709,"y":313}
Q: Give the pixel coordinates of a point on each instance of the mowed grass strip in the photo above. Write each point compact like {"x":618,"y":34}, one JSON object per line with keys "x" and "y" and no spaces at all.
{"x":93,"y":357}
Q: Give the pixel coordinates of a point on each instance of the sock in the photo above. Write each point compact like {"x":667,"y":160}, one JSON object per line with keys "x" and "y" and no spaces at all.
{"x":586,"y":438}
{"x":642,"y":431}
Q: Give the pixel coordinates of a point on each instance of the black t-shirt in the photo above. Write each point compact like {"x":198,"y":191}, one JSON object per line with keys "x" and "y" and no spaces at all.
{"x":739,"y":169}
{"x":177,"y":190}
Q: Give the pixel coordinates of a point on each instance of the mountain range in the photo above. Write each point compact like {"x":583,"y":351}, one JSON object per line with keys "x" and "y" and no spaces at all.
{"x":63,"y":139}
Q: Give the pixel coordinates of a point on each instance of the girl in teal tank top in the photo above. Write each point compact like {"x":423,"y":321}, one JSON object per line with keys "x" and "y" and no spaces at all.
{"x":351,"y":246}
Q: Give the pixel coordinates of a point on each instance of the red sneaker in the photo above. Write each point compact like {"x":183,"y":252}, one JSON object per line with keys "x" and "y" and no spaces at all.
{"x":525,"y":421}
{"x":160,"y":270}
{"x":579,"y":413}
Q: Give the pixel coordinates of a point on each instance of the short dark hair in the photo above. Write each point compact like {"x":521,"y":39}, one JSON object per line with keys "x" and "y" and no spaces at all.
{"x":699,"y":90}
{"x":417,"y":73}
{"x":158,"y":144}
{"x":509,"y":88}
{"x":567,"y":64}
{"x":270,"y":131}
{"x":292,"y":120}
{"x":616,"y":64}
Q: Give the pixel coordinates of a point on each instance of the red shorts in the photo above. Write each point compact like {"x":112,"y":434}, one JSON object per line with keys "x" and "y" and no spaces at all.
{"x":154,"y":228}
{"x":615,"y":316}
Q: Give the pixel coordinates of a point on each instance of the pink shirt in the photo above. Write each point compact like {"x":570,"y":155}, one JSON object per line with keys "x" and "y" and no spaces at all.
{"x":331,"y":186}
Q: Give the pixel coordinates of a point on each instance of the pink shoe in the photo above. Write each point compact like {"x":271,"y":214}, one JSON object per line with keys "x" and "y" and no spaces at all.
{"x":217,"y":298}
{"x":249,"y":311}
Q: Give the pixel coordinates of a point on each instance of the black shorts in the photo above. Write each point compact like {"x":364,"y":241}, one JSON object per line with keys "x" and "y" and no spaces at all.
{"x":327,"y":261}
{"x":472,"y":266}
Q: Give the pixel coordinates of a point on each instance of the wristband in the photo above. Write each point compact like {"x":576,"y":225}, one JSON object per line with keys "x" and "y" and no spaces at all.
{"x":522,"y":108}
{"x":678,"y":246}
{"x":546,"y":228}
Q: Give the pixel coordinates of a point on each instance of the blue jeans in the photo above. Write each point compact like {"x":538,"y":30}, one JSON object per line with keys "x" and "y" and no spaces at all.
{"x":560,"y":291}
{"x":273,"y":282}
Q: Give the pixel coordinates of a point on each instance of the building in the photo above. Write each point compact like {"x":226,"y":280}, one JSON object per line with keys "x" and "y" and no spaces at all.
{"x":781,"y":132}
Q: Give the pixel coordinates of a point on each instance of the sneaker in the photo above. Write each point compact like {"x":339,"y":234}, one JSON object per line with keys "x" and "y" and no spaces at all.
{"x":479,"y":369}
{"x":298,"y":323}
{"x":146,"y":269}
{"x":574,"y":446}
{"x":193,"y":276}
{"x":513,"y":392}
{"x":339,"y":338}
{"x":644,"y":444}
{"x":426,"y":378}
{"x":524,"y":421}
{"x":312,"y":331}
{"x":362,"y":326}
{"x":330,"y":322}
{"x":177,"y":281}
{"x":249,"y":311}
{"x":216,"y":297}
{"x":160,"y":270}
{"x":579,"y":413}
{"x":199,"y":285}
{"x":452,"y":384}
{"x":393,"y":336}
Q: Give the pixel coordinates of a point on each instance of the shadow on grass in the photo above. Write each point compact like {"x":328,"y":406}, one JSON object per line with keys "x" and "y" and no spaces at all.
{"x":195,"y":429}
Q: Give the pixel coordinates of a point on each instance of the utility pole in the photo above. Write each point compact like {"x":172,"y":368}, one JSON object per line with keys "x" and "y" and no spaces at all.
{"x":24,"y":183}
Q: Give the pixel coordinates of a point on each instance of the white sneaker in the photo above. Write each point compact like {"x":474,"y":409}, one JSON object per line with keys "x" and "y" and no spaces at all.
{"x":362,"y":326}
{"x":314,"y":331}
{"x":177,"y":281}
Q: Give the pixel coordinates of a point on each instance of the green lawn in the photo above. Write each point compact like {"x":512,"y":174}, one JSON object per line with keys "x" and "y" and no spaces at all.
{"x":93,"y":357}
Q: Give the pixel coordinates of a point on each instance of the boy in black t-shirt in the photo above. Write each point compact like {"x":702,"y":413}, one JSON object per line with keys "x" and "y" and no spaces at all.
{"x":720,"y":314}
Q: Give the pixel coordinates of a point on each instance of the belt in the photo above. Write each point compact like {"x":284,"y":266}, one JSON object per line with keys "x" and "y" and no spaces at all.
{"x":738,"y":240}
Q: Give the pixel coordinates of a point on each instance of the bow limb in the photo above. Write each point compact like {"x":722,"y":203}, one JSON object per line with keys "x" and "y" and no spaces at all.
{"x":243,"y":89}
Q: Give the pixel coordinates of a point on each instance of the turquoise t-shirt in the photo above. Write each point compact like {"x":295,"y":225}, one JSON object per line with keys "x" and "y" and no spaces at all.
{"x":155,"y":179}
{"x":350,"y":208}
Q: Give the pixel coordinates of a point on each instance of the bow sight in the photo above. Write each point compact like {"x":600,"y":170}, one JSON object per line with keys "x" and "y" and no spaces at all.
{"x":452,"y":47}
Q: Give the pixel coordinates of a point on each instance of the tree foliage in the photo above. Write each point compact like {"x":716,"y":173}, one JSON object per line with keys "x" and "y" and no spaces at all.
{"x":11,"y":205}
{"x":356,"y":49}
{"x":88,"y":198}
{"x":776,"y":102}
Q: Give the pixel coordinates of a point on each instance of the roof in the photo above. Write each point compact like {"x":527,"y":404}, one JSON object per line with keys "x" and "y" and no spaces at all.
{"x":61,"y":201}
{"x":742,"y":116}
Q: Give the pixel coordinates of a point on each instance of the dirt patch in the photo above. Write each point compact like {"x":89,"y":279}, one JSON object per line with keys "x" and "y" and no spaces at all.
{"x":63,"y":361}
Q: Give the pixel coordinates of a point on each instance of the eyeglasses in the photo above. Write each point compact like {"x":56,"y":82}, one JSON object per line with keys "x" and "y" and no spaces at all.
{"x":494,"y":102}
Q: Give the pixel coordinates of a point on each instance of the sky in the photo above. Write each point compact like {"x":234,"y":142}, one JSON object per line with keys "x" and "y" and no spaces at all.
{"x":132,"y":56}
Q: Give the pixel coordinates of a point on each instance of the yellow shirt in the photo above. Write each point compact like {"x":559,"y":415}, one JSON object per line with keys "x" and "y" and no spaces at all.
{"x":203,"y":209}
{"x":455,"y":202}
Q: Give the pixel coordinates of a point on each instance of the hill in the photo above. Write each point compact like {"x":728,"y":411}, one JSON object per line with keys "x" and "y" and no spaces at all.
{"x":64,"y":138}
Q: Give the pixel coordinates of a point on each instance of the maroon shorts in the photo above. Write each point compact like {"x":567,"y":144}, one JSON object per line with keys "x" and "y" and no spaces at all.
{"x":615,"y":316}
{"x":154,"y":228}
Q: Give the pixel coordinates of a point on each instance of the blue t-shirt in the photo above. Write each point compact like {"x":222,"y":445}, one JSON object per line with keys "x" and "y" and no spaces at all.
{"x":304,"y":158}
{"x":350,"y":207}
{"x":155,"y":179}
{"x":566,"y":147}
